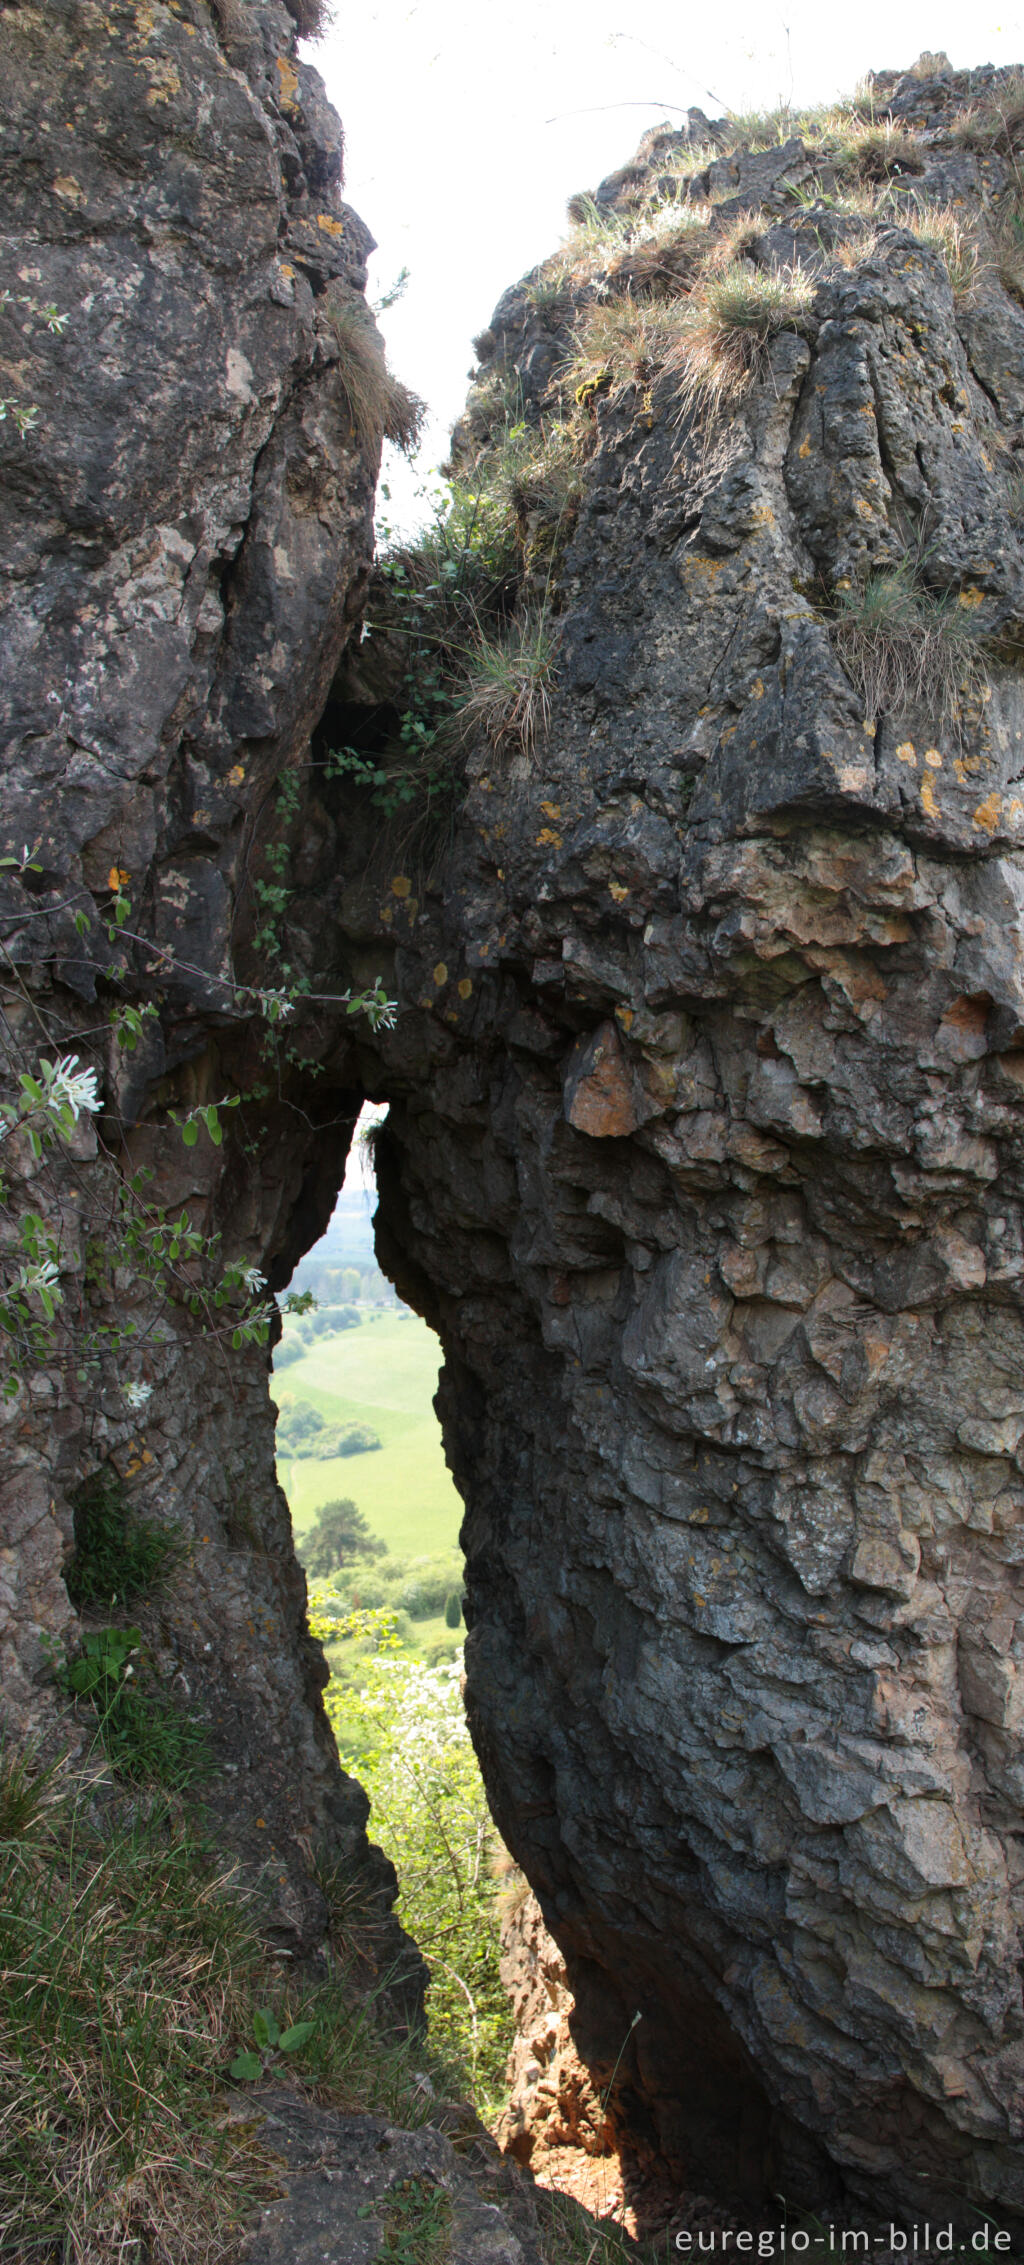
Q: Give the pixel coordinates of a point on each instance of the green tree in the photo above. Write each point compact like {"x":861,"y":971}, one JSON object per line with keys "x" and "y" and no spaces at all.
{"x":453,"y":1610}
{"x":340,"y":1535}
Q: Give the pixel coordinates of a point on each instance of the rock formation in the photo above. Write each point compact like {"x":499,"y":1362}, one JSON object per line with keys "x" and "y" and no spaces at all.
{"x":703,"y":1153}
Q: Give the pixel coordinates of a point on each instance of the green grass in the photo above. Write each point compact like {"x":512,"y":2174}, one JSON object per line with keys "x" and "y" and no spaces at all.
{"x":385,"y":1374}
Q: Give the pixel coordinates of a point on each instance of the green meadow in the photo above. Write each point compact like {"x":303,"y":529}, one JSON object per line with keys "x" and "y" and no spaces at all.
{"x":383,"y":1373}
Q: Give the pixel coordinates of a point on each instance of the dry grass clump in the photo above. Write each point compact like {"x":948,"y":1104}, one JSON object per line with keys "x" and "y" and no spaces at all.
{"x":727,"y":326}
{"x":878,"y":153}
{"x":670,"y":239}
{"x":996,"y":121}
{"x":311,"y":17}
{"x":508,"y":678}
{"x":627,"y":338}
{"x":379,"y":405}
{"x":901,"y":644}
{"x":1006,"y":239}
{"x":944,"y":229}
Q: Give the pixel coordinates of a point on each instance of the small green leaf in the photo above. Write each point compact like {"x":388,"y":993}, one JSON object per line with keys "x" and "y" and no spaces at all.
{"x":247,"y":2067}
{"x":291,"y":2040}
{"x":190,"y":1134}
{"x":265,"y":2028}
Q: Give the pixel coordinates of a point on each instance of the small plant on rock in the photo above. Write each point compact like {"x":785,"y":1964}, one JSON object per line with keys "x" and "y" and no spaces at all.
{"x":877,"y":153}
{"x":901,"y":643}
{"x":509,"y":678}
{"x":728,"y":326}
{"x":944,"y":229}
{"x":269,"y":2039}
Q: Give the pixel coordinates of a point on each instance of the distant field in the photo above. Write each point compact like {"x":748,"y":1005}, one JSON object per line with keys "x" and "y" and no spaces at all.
{"x":384,"y":1373}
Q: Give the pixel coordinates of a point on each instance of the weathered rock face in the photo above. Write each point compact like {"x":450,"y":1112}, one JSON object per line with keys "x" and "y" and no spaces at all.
{"x":703,"y":1153}
{"x":186,"y":532}
{"x":716,"y":1189}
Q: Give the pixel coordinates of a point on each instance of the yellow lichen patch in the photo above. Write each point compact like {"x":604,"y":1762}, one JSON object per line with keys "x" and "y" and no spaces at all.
{"x":68,"y":190}
{"x":625,"y":1016}
{"x":163,"y":83}
{"x":236,"y":774}
{"x":553,"y":841}
{"x":757,"y":689}
{"x":616,"y":890}
{"x":971,"y":597}
{"x":401,"y":886}
{"x":928,"y":802}
{"x":986,"y":816}
{"x":864,"y":507}
{"x":805,"y":447}
{"x":288,"y":87}
{"x":440,"y":973}
{"x":933,"y":758}
{"x":465,"y":987}
{"x":907,"y":753}
{"x":330,"y":226}
{"x":552,"y":809}
{"x":117,"y":879}
{"x":869,"y":726}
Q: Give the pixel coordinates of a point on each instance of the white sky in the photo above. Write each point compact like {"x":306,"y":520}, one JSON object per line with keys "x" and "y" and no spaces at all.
{"x":469,"y":123}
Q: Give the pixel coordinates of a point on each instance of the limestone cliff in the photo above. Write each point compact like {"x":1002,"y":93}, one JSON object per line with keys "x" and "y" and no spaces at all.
{"x":703,"y":1153}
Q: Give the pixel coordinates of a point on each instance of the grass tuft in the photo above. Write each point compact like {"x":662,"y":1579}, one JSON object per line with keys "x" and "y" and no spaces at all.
{"x":118,"y":1555}
{"x":508,"y":697}
{"x":379,"y":405}
{"x":133,"y":1974}
{"x":944,"y":230}
{"x":901,"y":644}
{"x":878,"y":153}
{"x":126,"y":1976}
{"x":996,"y":121}
{"x":727,"y":328}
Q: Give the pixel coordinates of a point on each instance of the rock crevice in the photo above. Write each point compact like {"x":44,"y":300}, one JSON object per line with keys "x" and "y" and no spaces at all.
{"x":703,"y":1149}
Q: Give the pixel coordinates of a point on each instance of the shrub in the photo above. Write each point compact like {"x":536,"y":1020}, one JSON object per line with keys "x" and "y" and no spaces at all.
{"x":509,"y":677}
{"x":453,"y":1610}
{"x":118,"y":1555}
{"x":727,"y":328}
{"x":900,"y":643}
{"x":379,"y":405}
{"x":406,"y":1734}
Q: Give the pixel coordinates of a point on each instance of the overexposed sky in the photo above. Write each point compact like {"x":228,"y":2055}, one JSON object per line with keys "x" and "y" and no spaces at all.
{"x":469,"y":122}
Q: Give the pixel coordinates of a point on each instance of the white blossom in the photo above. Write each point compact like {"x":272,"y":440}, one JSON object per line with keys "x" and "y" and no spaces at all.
{"x":137,"y":1395}
{"x":253,"y":1280}
{"x":72,"y":1088}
